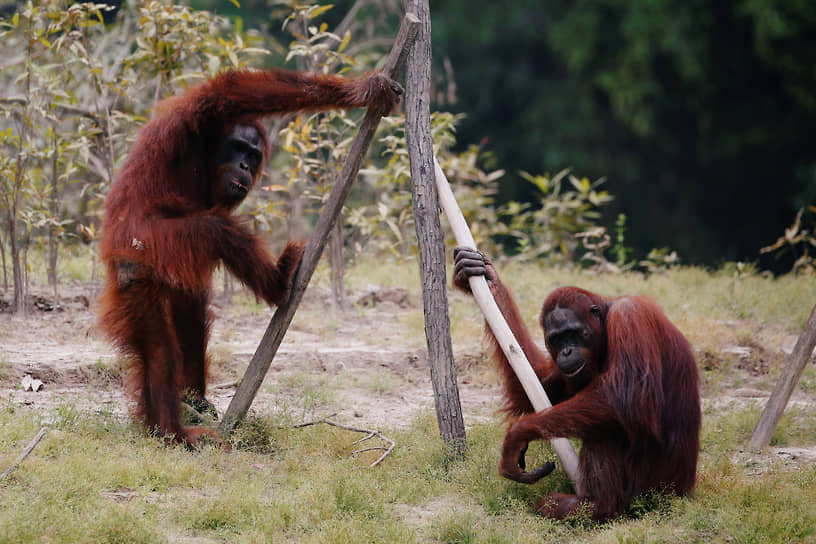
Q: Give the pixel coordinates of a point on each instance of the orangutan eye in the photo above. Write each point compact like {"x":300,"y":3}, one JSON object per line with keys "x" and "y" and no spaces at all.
{"x":594,"y":310}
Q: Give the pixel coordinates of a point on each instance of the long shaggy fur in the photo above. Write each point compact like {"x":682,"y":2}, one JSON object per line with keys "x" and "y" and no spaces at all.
{"x":639,"y":416}
{"x":163,"y":233}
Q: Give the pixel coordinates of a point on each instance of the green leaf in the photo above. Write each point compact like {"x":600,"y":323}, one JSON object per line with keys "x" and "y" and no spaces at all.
{"x":233,"y":57}
{"x":214,"y":64}
{"x":344,"y":42}
{"x":319,"y":10}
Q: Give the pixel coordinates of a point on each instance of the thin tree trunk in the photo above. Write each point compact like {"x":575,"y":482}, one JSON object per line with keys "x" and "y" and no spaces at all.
{"x":294,"y":224}
{"x":16,"y":190}
{"x":229,"y":287}
{"x":54,"y":227}
{"x":337,"y":264}
{"x":429,"y":233}
{"x":3,"y":260}
{"x":26,"y":245}
{"x":53,"y":255}
{"x":16,"y":272}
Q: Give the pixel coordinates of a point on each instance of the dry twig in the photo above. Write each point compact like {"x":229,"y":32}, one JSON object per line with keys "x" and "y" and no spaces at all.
{"x":369,"y":434}
{"x":225,"y":385}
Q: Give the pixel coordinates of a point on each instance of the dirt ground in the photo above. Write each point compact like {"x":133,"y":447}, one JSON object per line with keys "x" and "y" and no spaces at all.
{"x":358,"y":366}
{"x":362,"y":369}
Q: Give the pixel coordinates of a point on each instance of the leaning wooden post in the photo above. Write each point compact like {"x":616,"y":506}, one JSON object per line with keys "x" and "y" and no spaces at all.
{"x":272,"y":338}
{"x":26,"y":452}
{"x":799,"y":357}
{"x":501,"y":330}
{"x":430,"y":238}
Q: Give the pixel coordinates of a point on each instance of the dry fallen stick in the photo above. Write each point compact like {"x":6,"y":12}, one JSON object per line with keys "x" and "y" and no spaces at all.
{"x":26,"y":452}
{"x":226,"y":385}
{"x":369,"y":434}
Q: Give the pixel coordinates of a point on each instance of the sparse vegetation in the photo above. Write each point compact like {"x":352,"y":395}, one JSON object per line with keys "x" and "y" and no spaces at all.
{"x":97,"y":477}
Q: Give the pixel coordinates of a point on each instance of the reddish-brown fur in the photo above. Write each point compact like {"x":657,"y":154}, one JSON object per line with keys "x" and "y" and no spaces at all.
{"x":163,"y":235}
{"x":638,"y":416}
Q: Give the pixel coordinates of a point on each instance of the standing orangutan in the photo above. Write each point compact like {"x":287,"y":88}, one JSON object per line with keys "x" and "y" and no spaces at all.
{"x":620,"y":377}
{"x":168,"y":223}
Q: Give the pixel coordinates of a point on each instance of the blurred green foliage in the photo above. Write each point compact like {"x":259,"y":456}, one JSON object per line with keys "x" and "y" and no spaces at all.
{"x":699,"y":113}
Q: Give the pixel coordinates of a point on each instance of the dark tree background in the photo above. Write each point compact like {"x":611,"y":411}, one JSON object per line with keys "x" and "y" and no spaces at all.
{"x":698,"y":113}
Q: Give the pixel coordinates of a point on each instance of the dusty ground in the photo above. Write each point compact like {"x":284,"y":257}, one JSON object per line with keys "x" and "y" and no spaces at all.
{"x":358,"y":366}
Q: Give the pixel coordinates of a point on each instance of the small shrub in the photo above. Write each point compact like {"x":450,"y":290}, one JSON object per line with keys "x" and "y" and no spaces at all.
{"x":255,"y":434}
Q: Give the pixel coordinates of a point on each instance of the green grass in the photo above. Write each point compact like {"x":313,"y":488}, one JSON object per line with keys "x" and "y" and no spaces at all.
{"x":99,"y":478}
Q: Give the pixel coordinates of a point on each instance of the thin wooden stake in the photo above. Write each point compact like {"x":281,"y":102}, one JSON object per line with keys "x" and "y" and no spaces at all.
{"x":26,"y":452}
{"x":275,"y":331}
{"x":430,"y":237}
{"x":799,"y":358}
{"x":501,"y":330}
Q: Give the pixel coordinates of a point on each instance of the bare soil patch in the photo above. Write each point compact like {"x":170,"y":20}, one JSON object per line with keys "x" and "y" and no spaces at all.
{"x":359,"y":365}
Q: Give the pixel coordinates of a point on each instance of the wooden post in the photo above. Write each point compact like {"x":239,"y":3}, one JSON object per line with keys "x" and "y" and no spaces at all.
{"x":501,"y":330}
{"x":272,"y":338}
{"x":429,"y":233}
{"x":799,"y":357}
{"x":26,"y":452}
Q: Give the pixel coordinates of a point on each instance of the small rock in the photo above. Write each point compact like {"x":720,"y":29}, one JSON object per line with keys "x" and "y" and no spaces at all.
{"x":31,"y":384}
{"x":747,"y":392}
{"x":742,"y":351}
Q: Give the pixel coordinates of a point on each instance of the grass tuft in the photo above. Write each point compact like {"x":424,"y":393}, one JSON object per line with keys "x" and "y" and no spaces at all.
{"x":98,"y":477}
